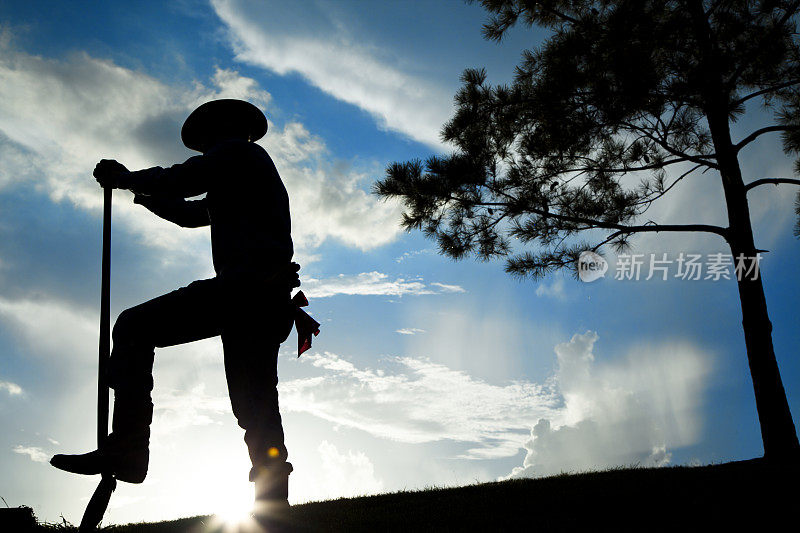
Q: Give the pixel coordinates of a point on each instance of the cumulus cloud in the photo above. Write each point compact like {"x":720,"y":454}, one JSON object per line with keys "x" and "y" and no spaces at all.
{"x":341,"y":475}
{"x":11,"y":388}
{"x":622,"y":412}
{"x":589,"y":414}
{"x":373,"y":284}
{"x":68,"y":330}
{"x":58,"y":117}
{"x":322,"y":49}
{"x":36,"y":454}
{"x":322,"y":52}
{"x":632,"y":409}
{"x":415,"y":400}
{"x":328,"y":200}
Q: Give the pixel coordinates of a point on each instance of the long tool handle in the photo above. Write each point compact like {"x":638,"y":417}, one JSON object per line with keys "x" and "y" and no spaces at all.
{"x":105,"y":323}
{"x":102,"y":495}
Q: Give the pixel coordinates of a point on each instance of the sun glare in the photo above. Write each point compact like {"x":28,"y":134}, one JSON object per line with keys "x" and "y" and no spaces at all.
{"x":223,"y":490}
{"x":236,"y":504}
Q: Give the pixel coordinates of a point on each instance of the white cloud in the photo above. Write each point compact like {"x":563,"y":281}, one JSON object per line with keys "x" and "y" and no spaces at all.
{"x":484,"y":336}
{"x":177,"y":409}
{"x":11,"y":388}
{"x":415,"y":400}
{"x":623,"y":412}
{"x":700,"y":199}
{"x":372,"y":284}
{"x":119,"y":502}
{"x":553,"y":290}
{"x":591,"y":414}
{"x":448,"y":288}
{"x":409,"y":331}
{"x":35,"y":453}
{"x":343,"y":67}
{"x":632,"y":409}
{"x":59,"y":117}
{"x":322,"y":49}
{"x":69,"y":330}
{"x":413,"y":253}
{"x":342,"y":475}
{"x":328,"y":200}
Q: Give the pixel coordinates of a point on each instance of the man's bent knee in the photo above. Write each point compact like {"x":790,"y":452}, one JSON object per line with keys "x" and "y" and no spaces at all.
{"x":129,"y":328}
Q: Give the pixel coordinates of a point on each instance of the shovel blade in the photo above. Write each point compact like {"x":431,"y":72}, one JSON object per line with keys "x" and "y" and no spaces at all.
{"x":97,"y":505}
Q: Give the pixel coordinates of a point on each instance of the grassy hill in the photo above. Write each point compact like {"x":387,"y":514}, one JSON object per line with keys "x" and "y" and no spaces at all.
{"x":740,"y":496}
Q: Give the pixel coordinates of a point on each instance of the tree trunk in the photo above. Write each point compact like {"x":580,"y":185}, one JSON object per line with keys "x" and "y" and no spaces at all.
{"x":777,"y":428}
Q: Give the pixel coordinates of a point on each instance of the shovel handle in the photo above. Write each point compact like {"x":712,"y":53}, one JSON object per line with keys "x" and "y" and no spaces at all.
{"x":105,"y":323}
{"x":99,"y":502}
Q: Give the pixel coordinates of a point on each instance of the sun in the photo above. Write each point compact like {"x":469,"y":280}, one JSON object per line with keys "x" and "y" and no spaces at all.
{"x":235,"y":504}
{"x":222,"y":490}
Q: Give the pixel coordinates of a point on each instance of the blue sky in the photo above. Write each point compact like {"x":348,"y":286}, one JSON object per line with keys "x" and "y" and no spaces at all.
{"x":427,"y":371}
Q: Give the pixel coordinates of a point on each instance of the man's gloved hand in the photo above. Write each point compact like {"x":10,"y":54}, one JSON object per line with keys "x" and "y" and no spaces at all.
{"x":291,"y":275}
{"x":141,"y":199}
{"x":107,"y":173}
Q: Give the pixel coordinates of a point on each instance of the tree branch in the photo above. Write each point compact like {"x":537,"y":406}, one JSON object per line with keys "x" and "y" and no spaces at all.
{"x":756,"y":94}
{"x":649,"y":201}
{"x":670,"y":149}
{"x":752,"y":137}
{"x":786,"y":16}
{"x":622,"y":229}
{"x":657,"y":228}
{"x":605,"y":241}
{"x":653,"y":166}
{"x":559,"y":14}
{"x":774,"y":181}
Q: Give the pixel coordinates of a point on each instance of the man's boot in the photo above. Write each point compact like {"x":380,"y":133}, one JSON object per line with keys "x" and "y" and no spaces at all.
{"x":119,"y":456}
{"x":271,"y":495}
{"x":125,"y":453}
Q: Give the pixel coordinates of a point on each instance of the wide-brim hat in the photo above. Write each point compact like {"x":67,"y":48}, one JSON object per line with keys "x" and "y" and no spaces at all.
{"x":228,"y":115}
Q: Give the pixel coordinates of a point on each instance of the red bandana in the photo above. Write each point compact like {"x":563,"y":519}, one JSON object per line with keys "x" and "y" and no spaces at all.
{"x":306,"y":326}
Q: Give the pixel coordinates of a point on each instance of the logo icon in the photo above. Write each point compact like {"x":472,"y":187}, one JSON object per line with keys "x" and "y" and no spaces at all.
{"x":591,"y":266}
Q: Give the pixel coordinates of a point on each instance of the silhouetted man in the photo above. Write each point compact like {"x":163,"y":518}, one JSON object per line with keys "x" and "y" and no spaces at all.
{"x":247,"y":303}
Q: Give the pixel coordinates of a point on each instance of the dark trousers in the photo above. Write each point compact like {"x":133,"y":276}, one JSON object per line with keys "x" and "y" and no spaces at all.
{"x":252,"y":316}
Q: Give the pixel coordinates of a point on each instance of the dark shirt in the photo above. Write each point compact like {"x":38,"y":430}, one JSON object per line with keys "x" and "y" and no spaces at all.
{"x":246,"y":204}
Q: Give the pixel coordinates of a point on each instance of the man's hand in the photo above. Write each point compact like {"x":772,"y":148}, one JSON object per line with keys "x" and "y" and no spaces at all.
{"x":291,"y":275}
{"x":107,"y":173}
{"x":141,"y":199}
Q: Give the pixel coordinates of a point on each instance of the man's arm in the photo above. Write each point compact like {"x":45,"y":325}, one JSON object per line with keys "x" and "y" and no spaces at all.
{"x":183,"y":180}
{"x":187,"y":214}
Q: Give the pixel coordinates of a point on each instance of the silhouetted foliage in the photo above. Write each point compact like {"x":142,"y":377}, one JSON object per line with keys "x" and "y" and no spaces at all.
{"x":623,"y":100}
{"x":619,"y":89}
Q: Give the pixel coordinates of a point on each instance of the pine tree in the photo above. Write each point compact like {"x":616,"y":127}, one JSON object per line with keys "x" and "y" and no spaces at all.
{"x":621,"y":89}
